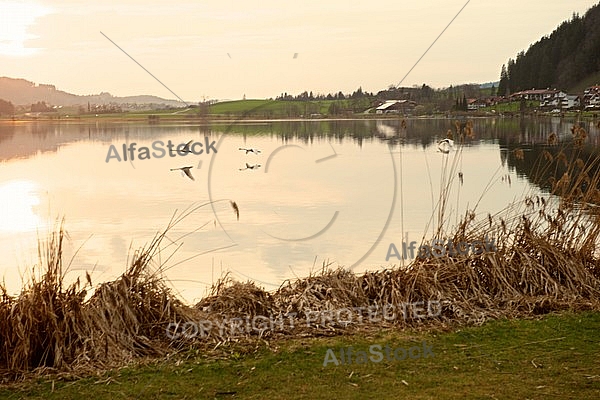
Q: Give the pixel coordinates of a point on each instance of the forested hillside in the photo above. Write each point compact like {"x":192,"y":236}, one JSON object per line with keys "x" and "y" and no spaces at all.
{"x":563,"y":59}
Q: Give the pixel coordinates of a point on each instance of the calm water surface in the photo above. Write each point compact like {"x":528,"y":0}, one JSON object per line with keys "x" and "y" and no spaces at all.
{"x":325,"y":191}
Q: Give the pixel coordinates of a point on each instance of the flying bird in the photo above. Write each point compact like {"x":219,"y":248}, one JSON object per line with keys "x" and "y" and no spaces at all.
{"x":255,"y":151}
{"x":185,"y":170}
{"x":248,"y":166}
{"x":186,"y":149}
{"x":445,"y":145}
{"x":236,"y":210}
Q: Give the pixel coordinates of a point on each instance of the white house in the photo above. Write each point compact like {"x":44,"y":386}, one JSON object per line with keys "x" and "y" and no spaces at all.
{"x":570,"y":101}
{"x":395,"y":106}
{"x":542,"y":95}
{"x":591,"y":98}
{"x":592,"y":102}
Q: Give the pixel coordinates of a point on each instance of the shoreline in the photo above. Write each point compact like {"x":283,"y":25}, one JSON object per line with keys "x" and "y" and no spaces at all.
{"x":156,"y":119}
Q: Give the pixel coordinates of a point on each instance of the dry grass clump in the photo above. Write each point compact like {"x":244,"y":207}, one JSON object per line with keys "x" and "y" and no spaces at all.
{"x":236,"y":299}
{"x":51,"y":327}
{"x":127,"y":316}
{"x":41,"y":327}
{"x":327,"y":290}
{"x":545,"y":259}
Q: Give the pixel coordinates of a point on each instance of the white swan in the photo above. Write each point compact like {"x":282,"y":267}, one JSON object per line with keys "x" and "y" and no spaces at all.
{"x":186,"y":170}
{"x":445,"y":145}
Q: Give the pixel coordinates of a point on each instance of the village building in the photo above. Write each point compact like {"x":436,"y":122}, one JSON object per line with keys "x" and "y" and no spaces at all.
{"x":570,"y":102}
{"x":476,"y":104}
{"x":396,"y":107}
{"x":591,"y":98}
{"x":546,"y":96}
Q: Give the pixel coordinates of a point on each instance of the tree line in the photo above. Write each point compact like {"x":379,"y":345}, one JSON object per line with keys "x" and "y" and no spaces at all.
{"x":6,"y":108}
{"x":309,"y":96}
{"x":562,"y":59}
{"x":445,"y":99}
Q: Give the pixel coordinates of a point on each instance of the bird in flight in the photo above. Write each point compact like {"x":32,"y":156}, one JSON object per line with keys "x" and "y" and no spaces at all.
{"x":185,"y":170}
{"x":255,"y":151}
{"x":248,"y":166}
{"x":236,"y":210}
{"x":445,"y":145}
{"x":186,"y":148}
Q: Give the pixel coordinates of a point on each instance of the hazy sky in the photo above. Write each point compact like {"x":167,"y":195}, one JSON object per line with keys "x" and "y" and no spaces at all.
{"x":225,"y":49}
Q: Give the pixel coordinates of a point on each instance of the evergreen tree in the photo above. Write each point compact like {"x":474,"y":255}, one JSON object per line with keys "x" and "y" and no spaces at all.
{"x":503,"y":84}
{"x":562,"y":59}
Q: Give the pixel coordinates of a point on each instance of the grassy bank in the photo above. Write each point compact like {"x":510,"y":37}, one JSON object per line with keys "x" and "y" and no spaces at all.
{"x":235,"y":109}
{"x":552,"y":357}
{"x":545,"y":261}
{"x":262,"y":109}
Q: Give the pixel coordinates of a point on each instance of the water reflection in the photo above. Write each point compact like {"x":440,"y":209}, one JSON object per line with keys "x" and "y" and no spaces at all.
{"x":338,"y":191}
{"x":18,"y":212}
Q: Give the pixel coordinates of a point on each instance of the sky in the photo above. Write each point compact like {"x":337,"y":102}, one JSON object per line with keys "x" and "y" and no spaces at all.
{"x":228,"y":49}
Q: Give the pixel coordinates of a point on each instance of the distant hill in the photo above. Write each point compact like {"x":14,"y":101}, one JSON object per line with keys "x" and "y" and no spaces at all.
{"x":23,"y":92}
{"x":488,"y":85}
{"x":567,"y":59}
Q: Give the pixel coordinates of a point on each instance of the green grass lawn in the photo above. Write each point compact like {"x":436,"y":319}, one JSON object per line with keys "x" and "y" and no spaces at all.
{"x":273,"y":108}
{"x":513,"y":106}
{"x":552,"y":358}
{"x":261,"y":108}
{"x":251,"y":108}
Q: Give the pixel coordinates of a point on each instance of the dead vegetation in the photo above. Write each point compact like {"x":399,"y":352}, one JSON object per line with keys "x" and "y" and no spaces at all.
{"x":546,"y":260}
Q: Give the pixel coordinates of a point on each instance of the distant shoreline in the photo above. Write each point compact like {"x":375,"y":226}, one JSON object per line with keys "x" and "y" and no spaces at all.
{"x":159,"y":118}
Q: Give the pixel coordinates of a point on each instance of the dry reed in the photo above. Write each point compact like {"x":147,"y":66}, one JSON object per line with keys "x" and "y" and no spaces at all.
{"x":546,"y":260}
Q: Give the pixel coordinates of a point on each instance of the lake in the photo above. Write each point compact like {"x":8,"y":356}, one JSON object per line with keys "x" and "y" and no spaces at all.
{"x":319,"y":191}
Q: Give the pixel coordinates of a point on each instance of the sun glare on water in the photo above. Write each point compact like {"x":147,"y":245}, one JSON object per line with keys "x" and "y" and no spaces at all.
{"x":17,"y":200}
{"x":15,"y":19}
